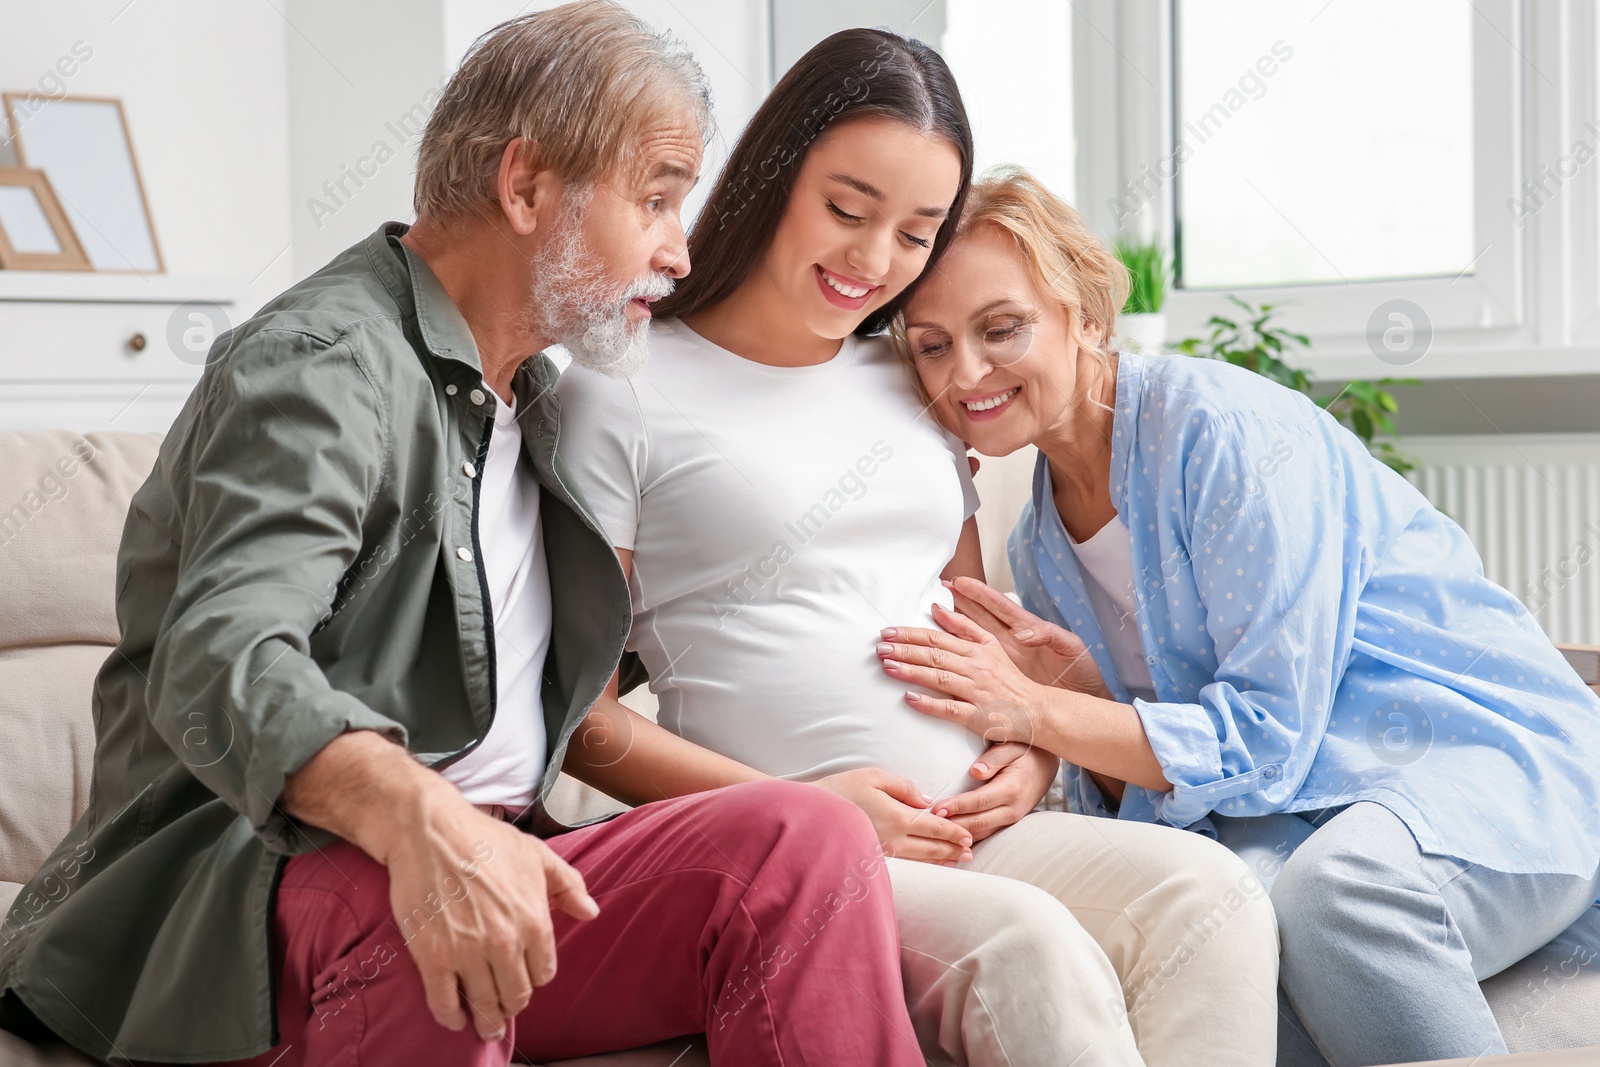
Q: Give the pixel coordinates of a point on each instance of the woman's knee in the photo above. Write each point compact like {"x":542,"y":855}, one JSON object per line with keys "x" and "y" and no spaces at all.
{"x":987,"y":922}
{"x":1341,"y":877}
{"x":1212,"y":891}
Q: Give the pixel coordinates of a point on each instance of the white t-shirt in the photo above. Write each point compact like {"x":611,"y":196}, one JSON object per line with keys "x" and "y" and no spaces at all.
{"x":1106,"y":560}
{"x":779,"y":518}
{"x":507,"y":766}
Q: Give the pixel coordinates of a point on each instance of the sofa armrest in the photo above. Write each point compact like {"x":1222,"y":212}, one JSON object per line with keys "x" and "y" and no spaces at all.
{"x":1585,"y":659}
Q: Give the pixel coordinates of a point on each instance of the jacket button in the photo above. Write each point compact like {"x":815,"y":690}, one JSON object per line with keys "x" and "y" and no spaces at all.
{"x":476,"y":396}
{"x":464,"y":554}
{"x":468,"y":469}
{"x":450,"y":390}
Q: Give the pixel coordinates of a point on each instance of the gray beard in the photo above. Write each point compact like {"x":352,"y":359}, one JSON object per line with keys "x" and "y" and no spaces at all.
{"x":572,"y":301}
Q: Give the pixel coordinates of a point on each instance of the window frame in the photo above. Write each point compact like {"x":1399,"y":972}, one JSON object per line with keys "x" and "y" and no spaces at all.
{"x":1531,"y":304}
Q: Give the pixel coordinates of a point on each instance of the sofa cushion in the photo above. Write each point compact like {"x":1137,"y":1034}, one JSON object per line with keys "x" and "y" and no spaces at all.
{"x":63,"y":499}
{"x":15,"y":1052}
{"x":47,"y":733}
{"x":1551,"y":999}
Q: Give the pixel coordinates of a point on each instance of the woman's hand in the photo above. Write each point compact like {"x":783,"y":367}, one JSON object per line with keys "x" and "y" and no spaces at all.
{"x":898,"y":810}
{"x":1045,"y":652}
{"x":984,"y":690}
{"x":1015,"y":778}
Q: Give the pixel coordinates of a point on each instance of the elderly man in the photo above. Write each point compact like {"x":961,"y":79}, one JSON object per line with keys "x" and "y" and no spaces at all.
{"x":361,"y":616}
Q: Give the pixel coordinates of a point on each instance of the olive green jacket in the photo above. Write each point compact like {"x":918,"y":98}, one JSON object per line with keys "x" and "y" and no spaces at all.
{"x":302,"y":561}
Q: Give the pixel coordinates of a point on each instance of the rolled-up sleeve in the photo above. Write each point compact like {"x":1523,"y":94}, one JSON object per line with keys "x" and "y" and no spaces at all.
{"x":273,"y":484}
{"x":1276,"y":565}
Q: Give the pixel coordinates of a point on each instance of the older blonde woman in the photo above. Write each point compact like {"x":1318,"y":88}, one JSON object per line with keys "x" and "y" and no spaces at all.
{"x":1235,"y":620}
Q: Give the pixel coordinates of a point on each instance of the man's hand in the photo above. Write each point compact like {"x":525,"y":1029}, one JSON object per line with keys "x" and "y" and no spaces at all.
{"x":472,"y":896}
{"x":1015,"y":776}
{"x":898,"y":810}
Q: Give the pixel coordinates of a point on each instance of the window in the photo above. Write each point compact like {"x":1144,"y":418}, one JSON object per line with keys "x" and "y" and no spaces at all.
{"x":1322,"y":142}
{"x":1329,"y":156}
{"x":1335,"y":156}
{"x":1017,"y":87}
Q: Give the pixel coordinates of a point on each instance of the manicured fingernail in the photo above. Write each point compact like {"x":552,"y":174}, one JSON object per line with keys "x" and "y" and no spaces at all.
{"x":942,"y":812}
{"x":888,"y":631}
{"x":1024,"y":635}
{"x":913,"y":697}
{"x":890,"y":665}
{"x":926,"y":799}
{"x":947,"y":584}
{"x":884,"y":650}
{"x":966,"y":857}
{"x":981,"y":768}
{"x":965,"y":842}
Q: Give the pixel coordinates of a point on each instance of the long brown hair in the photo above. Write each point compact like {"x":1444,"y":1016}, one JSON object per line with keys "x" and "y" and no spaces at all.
{"x":851,"y":74}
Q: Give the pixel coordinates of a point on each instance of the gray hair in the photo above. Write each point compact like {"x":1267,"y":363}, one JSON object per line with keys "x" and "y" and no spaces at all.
{"x":580,"y":84}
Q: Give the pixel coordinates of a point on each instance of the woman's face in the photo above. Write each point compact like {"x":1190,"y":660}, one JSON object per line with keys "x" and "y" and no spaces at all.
{"x":993,"y":352}
{"x":860,"y":222}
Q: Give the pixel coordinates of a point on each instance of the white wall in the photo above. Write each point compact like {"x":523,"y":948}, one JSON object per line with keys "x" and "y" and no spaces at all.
{"x":1015,"y":74}
{"x":205,"y":89}
{"x":799,"y":24}
{"x":273,"y":134}
{"x":362,"y":77}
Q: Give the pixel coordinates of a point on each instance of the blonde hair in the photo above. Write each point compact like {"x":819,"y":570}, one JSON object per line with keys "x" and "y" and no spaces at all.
{"x":1070,"y":265}
{"x":581,"y":84}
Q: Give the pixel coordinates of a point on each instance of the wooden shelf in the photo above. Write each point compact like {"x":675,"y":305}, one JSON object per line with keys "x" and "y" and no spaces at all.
{"x":78,"y":287}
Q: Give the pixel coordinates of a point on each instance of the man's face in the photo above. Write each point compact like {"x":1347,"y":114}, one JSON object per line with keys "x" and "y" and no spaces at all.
{"x":613,"y":250}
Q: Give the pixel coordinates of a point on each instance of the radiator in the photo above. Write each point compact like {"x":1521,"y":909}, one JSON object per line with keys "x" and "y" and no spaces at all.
{"x":1531,"y":504}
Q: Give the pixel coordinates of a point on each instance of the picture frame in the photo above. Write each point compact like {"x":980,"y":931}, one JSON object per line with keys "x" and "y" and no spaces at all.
{"x":35,"y":233}
{"x":83,"y":146}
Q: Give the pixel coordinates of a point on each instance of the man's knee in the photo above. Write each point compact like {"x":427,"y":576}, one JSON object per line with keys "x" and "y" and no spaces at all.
{"x":796,"y":815}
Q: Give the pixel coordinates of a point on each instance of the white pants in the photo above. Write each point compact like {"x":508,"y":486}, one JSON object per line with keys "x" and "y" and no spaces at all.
{"x":1085,"y":941}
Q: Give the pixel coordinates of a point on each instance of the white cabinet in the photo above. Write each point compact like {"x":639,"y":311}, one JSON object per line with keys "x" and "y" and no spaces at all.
{"x":105,"y":351}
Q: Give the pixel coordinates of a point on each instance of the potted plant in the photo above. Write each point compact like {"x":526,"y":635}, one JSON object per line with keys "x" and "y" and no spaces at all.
{"x":1256,"y":343}
{"x":1142,"y":324}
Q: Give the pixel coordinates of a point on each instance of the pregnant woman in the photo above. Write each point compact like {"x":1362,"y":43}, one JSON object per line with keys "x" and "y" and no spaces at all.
{"x":778,"y":494}
{"x":1274,"y":639}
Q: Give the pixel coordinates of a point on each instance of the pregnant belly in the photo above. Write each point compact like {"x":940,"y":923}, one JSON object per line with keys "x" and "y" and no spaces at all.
{"x":805,"y":705}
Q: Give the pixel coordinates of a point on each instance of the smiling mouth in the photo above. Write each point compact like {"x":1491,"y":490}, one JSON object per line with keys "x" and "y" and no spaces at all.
{"x":844,"y":292}
{"x":990,"y":403}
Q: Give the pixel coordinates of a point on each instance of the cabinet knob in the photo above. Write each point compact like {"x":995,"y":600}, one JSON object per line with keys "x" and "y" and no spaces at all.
{"x":137,"y":342}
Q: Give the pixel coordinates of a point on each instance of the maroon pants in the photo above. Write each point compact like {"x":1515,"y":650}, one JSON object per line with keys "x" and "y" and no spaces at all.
{"x":760,"y":914}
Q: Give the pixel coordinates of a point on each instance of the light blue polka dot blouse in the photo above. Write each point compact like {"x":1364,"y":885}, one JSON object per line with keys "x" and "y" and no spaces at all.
{"x":1318,"y":633}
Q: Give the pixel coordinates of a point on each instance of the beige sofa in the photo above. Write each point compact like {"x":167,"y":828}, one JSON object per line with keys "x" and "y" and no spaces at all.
{"x":58,"y":544}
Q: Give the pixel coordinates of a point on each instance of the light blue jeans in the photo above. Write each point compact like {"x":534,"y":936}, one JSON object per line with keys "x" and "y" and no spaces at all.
{"x":1384,"y":945}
